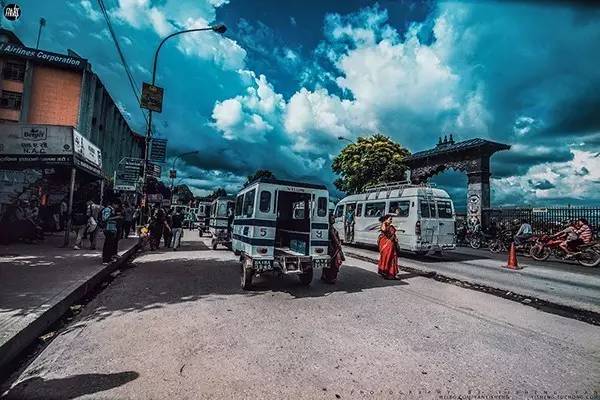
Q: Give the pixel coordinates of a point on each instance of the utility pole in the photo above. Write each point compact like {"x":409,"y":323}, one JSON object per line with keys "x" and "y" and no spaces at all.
{"x":42,"y":24}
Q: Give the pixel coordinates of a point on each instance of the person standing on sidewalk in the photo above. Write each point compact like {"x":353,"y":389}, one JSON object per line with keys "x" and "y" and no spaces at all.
{"x":111,"y":220}
{"x":128,"y":214}
{"x":93,"y":214}
{"x":79,"y":223}
{"x":177,"y":228}
{"x":167,"y":232}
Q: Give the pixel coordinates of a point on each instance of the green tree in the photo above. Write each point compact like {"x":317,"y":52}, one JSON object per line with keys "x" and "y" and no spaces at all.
{"x":261,"y":173}
{"x":371,"y":160}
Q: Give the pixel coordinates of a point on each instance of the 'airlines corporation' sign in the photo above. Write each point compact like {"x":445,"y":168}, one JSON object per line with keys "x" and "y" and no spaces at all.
{"x":42,"y":56}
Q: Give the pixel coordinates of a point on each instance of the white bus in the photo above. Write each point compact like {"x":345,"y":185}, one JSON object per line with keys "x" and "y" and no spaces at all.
{"x":423,"y":216}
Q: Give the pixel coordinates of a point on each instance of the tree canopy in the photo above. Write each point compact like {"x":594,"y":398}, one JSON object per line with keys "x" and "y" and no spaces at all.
{"x":261,"y":173}
{"x":220,"y":192}
{"x":371,"y":160}
{"x":184,"y":194}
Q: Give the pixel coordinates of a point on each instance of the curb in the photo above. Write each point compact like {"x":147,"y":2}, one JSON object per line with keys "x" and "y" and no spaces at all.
{"x":24,"y":338}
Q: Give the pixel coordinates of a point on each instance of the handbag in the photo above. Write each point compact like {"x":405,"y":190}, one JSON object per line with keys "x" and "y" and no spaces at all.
{"x":91,"y":224}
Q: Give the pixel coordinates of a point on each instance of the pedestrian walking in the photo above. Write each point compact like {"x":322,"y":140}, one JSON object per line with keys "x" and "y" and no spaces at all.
{"x":93,"y":214}
{"x":388,"y":248}
{"x":64,"y":214}
{"x":177,"y":228}
{"x":335,"y":253}
{"x":110,"y":219}
{"x":79,"y":223}
{"x":167,"y":231}
{"x":128,"y":220}
{"x":349,"y":224}
{"x":157,"y":224}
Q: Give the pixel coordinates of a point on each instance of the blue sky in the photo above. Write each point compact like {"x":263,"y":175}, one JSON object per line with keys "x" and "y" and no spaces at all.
{"x":287,"y":79}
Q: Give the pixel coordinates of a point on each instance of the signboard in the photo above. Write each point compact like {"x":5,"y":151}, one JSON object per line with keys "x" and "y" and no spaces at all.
{"x":127,"y":176}
{"x":166,"y":202}
{"x":155,"y":198}
{"x":158,"y":150}
{"x":87,"y":154}
{"x":539,"y":210}
{"x":42,"y":56}
{"x":36,"y":145}
{"x":152,"y":97}
{"x":154,"y":170}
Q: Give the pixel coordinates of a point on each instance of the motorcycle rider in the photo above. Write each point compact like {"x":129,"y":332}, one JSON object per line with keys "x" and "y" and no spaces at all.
{"x":584,"y":235}
{"x":524,"y":233}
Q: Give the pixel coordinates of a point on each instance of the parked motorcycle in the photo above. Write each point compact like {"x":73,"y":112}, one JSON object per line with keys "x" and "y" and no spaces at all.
{"x":587,"y":254}
{"x":501,"y":243}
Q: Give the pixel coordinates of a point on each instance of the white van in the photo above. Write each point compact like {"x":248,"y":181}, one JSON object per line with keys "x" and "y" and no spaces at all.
{"x":423,"y":216}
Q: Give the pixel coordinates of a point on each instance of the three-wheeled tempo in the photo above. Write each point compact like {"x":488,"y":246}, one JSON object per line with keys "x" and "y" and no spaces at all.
{"x":282,"y":226}
{"x":202,"y":216}
{"x":221,"y":218}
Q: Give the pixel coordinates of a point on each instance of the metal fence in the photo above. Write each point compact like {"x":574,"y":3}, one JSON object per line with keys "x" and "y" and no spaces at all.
{"x":545,"y":220}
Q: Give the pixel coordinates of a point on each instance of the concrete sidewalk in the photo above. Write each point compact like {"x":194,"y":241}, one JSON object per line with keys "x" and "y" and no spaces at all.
{"x":38,"y":284}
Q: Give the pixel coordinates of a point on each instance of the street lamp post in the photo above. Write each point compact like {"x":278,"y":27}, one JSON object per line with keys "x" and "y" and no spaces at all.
{"x":215,"y":28}
{"x":346,"y":139}
{"x":173,"y":167}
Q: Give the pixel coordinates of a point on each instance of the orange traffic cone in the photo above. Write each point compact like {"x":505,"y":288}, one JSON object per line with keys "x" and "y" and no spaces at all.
{"x":512,"y":258}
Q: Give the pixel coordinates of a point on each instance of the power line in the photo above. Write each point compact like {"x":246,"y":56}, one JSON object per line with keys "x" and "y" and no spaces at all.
{"x":130,"y":78}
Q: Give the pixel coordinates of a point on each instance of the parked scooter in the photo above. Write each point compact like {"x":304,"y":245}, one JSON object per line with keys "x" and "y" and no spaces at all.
{"x":587,"y":254}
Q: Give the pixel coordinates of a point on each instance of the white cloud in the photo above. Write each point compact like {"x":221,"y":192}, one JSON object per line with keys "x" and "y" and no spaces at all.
{"x":126,"y":40}
{"x":575,"y":179}
{"x":86,"y":9}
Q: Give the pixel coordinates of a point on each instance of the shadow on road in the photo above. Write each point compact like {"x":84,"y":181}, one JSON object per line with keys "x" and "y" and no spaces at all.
{"x":71,"y":387}
{"x":432,"y":258}
{"x":180,"y":278}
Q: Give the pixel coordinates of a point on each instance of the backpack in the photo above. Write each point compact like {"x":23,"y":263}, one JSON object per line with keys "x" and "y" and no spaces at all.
{"x":107,"y":224}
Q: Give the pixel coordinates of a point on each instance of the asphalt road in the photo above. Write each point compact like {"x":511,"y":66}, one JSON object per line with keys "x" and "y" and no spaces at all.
{"x":561,"y":283}
{"x":177,"y":326}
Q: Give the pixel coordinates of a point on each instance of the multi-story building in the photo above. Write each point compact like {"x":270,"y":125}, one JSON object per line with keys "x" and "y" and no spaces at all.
{"x":41,"y":87}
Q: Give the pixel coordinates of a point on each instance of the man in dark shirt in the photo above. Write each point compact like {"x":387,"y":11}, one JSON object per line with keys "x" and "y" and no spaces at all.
{"x":177,"y":228}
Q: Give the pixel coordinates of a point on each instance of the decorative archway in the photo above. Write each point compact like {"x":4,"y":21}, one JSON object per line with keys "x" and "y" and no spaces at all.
{"x":471,"y":157}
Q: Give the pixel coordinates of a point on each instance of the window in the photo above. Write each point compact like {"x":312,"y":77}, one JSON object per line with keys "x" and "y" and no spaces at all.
{"x":264,"y":205}
{"x":10,"y":100}
{"x":238,"y":205}
{"x":299,"y":210}
{"x":249,"y":203}
{"x":222,"y":210}
{"x":400,"y":208}
{"x":339,"y":211}
{"x":444,"y":209}
{"x":359,"y":210}
{"x":14,"y":71}
{"x":373,"y":210}
{"x":322,"y":206}
{"x":427,"y":209}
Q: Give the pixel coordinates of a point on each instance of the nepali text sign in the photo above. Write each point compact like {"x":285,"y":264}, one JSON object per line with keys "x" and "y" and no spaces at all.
{"x":152,"y":97}
{"x":158,"y":150}
{"x":42,"y":56}
{"x":87,"y":154}
{"x":154,"y":170}
{"x":42,"y":145}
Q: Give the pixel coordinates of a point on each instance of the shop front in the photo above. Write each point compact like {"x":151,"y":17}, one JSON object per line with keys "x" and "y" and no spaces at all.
{"x":50,"y":165}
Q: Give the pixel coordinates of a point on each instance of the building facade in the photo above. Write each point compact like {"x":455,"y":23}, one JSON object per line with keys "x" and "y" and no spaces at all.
{"x":41,"y":87}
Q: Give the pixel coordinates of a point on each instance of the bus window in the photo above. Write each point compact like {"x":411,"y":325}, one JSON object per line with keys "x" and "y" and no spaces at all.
{"x":322,"y":206}
{"x":373,"y":210}
{"x":298,"y":208}
{"x":238,"y":205}
{"x":339,"y":211}
{"x":400,"y":208}
{"x":359,"y":208}
{"x":248,"y":208}
{"x":444,"y":209}
{"x":221,"y":209}
{"x":264,"y":205}
{"x":424,"y":206}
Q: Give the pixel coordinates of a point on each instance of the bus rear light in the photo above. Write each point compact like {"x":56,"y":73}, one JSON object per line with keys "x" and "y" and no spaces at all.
{"x":262,"y":250}
{"x":418,"y":228}
{"x":319,"y":251}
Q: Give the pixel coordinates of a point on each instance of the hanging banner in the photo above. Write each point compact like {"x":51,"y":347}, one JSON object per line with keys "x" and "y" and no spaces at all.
{"x":152,"y":97}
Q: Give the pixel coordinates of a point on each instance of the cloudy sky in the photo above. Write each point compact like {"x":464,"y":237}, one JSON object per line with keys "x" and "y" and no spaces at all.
{"x":288,"y":78}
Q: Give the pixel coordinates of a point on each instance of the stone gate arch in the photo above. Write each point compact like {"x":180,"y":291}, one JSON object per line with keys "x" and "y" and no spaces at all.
{"x":471,"y":157}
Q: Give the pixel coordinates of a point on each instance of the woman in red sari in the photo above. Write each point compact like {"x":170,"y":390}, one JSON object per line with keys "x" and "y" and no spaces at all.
{"x":388,"y":256}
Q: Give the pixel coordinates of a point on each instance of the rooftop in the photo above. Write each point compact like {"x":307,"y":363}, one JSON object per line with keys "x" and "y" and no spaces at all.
{"x":449,"y":146}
